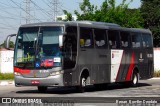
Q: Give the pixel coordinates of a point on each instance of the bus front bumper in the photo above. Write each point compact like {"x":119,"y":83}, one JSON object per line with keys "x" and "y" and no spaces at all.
{"x":56,"y":80}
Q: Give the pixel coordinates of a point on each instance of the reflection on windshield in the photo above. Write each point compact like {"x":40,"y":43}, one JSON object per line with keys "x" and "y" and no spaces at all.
{"x":39,"y":47}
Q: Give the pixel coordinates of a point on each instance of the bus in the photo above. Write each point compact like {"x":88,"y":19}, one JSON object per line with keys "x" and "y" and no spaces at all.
{"x":81,"y":53}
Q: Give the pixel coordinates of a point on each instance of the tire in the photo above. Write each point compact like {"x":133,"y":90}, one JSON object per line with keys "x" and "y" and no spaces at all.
{"x":42,"y":89}
{"x":81,"y":88}
{"x":135,"y":79}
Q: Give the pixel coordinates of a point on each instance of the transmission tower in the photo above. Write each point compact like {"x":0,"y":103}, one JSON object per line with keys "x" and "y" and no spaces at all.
{"x":55,"y":11}
{"x":27,"y":3}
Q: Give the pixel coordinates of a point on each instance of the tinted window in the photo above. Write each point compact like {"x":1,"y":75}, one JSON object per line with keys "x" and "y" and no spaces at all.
{"x":125,"y":39}
{"x":136,"y":40}
{"x":147,"y":40}
{"x":86,"y":37}
{"x":113,"y":39}
{"x":100,"y":38}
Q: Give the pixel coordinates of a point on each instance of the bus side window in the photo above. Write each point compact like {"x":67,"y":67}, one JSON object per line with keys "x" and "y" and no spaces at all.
{"x":113,"y":39}
{"x":136,"y":40}
{"x":86,"y":38}
{"x":100,"y":38}
{"x":147,"y":40}
{"x":125,"y":39}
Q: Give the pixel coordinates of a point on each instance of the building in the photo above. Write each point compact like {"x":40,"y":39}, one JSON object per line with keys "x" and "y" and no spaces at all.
{"x":64,"y":17}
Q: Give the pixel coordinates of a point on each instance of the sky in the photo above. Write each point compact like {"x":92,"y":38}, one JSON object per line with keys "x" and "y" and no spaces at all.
{"x":13,"y":14}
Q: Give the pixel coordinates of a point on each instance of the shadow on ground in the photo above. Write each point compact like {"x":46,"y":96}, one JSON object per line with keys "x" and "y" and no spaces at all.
{"x":72,"y":90}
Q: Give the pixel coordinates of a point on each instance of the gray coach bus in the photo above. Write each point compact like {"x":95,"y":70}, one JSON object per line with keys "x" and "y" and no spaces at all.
{"x":81,"y":53}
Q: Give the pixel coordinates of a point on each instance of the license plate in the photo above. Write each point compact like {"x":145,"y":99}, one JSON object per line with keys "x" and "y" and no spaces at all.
{"x":35,"y":82}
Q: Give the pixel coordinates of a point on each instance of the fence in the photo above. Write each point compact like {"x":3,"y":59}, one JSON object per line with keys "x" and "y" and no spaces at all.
{"x":6,"y":61}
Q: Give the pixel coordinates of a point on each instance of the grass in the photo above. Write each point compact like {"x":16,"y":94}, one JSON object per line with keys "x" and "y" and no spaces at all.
{"x":6,"y":76}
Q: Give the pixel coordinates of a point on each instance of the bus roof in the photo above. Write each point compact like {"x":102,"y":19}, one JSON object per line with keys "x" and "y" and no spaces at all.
{"x":88,"y":23}
{"x":70,"y":22}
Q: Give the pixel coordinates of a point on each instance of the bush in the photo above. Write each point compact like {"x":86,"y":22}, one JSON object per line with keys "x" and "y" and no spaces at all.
{"x":6,"y":76}
{"x":156,"y":74}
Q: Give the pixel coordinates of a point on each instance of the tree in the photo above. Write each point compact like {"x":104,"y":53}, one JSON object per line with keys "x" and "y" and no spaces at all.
{"x":11,"y":43}
{"x":69,"y":15}
{"x":150,"y":11}
{"x":59,"y":19}
{"x":109,"y":12}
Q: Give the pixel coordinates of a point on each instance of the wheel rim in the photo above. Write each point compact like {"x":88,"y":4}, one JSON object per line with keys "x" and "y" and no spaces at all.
{"x":135,"y":80}
{"x":83,"y":82}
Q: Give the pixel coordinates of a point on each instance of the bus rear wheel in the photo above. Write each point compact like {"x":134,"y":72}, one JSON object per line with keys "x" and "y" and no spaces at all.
{"x":135,"y":79}
{"x":42,"y":89}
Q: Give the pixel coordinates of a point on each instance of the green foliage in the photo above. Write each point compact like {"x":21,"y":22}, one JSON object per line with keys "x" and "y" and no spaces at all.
{"x":6,"y":76}
{"x":150,"y":11}
{"x":156,"y":74}
{"x":69,"y":15}
{"x":59,"y":19}
{"x":11,"y":43}
{"x":109,"y":12}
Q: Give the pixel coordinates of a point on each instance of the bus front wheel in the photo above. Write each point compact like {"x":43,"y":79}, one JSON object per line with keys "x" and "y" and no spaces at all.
{"x":42,"y":89}
{"x":81,"y":88}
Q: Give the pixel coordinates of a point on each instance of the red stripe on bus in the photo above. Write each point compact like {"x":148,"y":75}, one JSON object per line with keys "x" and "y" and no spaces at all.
{"x":119,"y":66}
{"x":130,"y":69}
{"x":22,"y":71}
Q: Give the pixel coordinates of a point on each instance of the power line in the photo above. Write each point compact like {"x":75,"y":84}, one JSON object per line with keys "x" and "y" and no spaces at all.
{"x":25,"y":10}
{"x":3,"y":10}
{"x":47,"y":4}
{"x":46,"y":13}
{"x":54,"y":8}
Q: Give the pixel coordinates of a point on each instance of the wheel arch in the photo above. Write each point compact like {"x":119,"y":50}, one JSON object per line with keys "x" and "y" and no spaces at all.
{"x":85,"y":72}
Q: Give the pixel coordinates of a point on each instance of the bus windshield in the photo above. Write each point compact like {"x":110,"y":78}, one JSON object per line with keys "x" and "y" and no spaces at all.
{"x":38,"y":47}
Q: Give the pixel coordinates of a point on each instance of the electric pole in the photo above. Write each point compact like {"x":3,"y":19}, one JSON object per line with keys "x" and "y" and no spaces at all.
{"x":27,"y":3}
{"x":55,"y":11}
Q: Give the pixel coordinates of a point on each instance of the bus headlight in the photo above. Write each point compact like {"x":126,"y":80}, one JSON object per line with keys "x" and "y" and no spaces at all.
{"x":17,"y":74}
{"x":56,"y":73}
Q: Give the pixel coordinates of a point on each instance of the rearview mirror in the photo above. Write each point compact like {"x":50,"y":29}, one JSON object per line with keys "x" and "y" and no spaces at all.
{"x":8,"y":40}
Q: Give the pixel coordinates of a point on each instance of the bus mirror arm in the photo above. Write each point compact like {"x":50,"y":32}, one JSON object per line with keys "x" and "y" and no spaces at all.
{"x":7,"y":41}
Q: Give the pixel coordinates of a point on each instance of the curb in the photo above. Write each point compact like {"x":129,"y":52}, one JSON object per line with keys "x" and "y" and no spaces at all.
{"x":155,"y":78}
{"x":5,"y":83}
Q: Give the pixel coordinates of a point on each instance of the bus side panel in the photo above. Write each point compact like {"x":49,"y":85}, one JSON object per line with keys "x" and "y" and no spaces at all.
{"x":126,"y":66}
{"x":122,"y":68}
{"x":103,"y":60}
{"x":86,"y":61}
{"x":150,"y":56}
{"x":116,"y":60}
{"x":147,"y":70}
{"x":97,"y":62}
